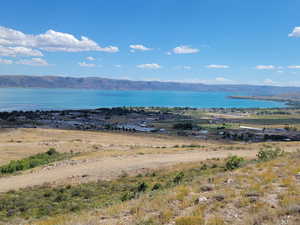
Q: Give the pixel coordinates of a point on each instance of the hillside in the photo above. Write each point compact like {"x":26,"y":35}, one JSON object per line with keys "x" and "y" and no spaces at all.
{"x":152,"y":183}
{"x":114,"y":84}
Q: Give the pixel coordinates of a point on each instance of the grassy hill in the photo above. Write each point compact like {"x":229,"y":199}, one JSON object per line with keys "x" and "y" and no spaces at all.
{"x":265,"y":190}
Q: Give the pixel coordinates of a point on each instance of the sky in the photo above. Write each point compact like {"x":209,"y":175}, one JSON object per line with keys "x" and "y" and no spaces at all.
{"x":206,"y":41}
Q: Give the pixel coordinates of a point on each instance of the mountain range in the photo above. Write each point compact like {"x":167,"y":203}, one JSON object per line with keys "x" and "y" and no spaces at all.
{"x":25,"y":81}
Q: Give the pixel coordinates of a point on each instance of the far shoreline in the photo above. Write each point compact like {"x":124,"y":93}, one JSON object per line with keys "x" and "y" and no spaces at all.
{"x":286,"y":101}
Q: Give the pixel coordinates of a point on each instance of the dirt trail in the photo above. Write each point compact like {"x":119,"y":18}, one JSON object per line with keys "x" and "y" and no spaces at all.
{"x":108,"y":168}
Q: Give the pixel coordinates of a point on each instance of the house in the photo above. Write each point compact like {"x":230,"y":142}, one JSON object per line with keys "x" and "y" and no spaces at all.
{"x":252,"y":128}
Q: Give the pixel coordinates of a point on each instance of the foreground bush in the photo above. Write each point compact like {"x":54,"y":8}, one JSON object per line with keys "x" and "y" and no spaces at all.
{"x":269,"y":154}
{"x":234,"y":162}
{"x":33,"y":161}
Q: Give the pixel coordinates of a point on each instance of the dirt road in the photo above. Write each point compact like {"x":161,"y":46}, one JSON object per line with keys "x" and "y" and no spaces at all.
{"x":108,"y":155}
{"x":108,"y":168}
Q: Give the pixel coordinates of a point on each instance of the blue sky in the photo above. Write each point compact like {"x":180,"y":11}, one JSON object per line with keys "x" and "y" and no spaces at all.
{"x":210,"y":41}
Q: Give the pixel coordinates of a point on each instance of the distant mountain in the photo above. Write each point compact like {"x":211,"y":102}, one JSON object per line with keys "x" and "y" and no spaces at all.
{"x":114,"y":84}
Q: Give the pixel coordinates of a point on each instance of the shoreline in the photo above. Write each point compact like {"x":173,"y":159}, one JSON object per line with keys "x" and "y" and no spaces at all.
{"x":288,"y":106}
{"x":287,"y":101}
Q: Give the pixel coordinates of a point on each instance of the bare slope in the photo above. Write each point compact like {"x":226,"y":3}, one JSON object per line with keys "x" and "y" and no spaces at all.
{"x":105,"y":155}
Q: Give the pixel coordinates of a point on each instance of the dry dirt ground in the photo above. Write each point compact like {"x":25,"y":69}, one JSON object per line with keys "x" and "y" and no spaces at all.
{"x":106,"y":155}
{"x":20,"y":143}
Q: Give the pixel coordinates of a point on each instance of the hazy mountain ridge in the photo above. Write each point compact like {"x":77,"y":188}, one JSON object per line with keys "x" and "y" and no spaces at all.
{"x":114,"y":84}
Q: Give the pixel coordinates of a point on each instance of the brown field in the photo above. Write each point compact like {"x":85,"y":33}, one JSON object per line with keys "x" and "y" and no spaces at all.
{"x":20,"y":143}
{"x":107,"y":155}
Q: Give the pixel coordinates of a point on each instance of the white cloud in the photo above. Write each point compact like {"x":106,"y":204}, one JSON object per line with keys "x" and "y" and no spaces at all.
{"x":185,"y":49}
{"x":153,"y":66}
{"x":84,"y":64}
{"x":183,"y":67}
{"x":50,"y":41}
{"x":118,"y":66}
{"x":33,"y":62}
{"x":295,"y":32}
{"x":213,"y":66}
{"x":270,"y":82}
{"x":294,"y":67}
{"x":125,"y":78}
{"x":15,"y":51}
{"x":168,"y":53}
{"x":90,"y":58}
{"x":6,"y":61}
{"x":265,"y":67}
{"x":222,"y":79}
{"x":139,"y":48}
{"x":216,"y":80}
{"x":187,"y":67}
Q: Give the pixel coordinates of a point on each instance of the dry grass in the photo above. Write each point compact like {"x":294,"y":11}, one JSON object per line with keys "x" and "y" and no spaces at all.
{"x":260,"y":193}
{"x":20,"y":143}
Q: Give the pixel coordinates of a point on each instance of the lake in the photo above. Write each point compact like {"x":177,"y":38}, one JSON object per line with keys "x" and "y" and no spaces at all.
{"x":59,"y":99}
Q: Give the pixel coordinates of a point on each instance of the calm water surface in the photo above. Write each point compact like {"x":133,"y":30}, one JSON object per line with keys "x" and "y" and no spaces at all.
{"x":46,"y":99}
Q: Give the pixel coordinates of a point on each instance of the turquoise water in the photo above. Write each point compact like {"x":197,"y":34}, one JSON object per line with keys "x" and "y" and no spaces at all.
{"x":46,"y":99}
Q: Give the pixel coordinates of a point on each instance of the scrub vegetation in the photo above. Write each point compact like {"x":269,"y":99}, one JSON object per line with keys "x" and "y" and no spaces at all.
{"x":234,"y":190}
{"x":33,"y":161}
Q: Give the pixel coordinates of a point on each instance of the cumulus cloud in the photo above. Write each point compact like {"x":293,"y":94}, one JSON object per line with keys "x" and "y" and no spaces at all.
{"x":90,"y":58}
{"x":294,"y":67}
{"x":6,"y":61}
{"x":152,"y":66}
{"x":183,"y":67}
{"x":139,"y":48}
{"x":33,"y":62}
{"x":50,"y":41}
{"x":214,"y":66}
{"x":222,"y":79}
{"x":265,"y":67}
{"x":16,"y":51}
{"x":295,"y":32}
{"x":84,"y":64}
{"x":185,"y":49}
{"x":268,"y":81}
{"x":186,"y":67}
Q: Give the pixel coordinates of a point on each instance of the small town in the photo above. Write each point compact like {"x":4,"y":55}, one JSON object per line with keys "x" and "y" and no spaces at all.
{"x":226,"y":125}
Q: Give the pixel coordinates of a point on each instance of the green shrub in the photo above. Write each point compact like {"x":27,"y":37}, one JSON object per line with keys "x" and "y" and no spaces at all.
{"x":128,"y":196}
{"x":156,"y":186}
{"x":183,"y":126}
{"x":178,"y":178}
{"x":269,"y":154}
{"x":203,"y":167}
{"x":52,"y":151}
{"x":33,"y":161}
{"x":234,"y":162}
{"x":142,"y":187}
